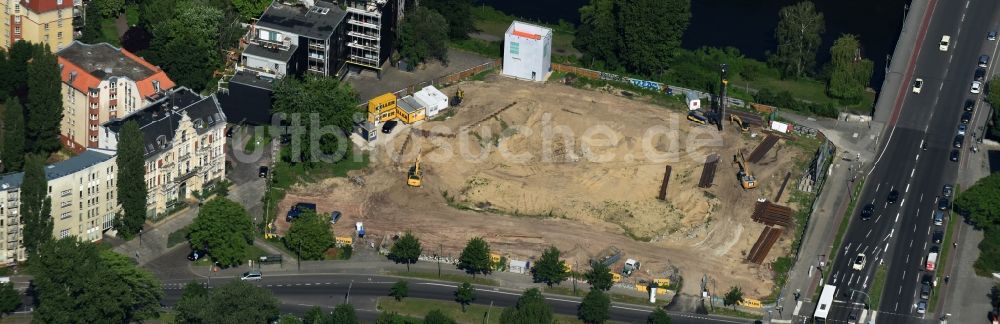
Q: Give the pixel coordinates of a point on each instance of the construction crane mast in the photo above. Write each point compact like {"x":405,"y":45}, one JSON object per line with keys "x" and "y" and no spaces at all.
{"x":720,"y":112}
{"x":746,"y":178}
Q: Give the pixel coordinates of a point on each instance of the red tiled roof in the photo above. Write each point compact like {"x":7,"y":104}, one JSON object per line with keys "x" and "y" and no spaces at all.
{"x":83,"y":81}
{"x":42,"y":6}
{"x":146,"y":86}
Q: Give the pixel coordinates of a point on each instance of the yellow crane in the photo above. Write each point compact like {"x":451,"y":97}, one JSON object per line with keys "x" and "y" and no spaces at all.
{"x":413,"y":178}
{"x":746,"y":178}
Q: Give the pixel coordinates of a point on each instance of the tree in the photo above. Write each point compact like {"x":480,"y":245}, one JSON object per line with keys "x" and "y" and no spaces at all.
{"x":406,"y":250}
{"x":186,"y":42}
{"x":390,"y":318}
{"x":995,"y":297}
{"x":309,"y":236}
{"x":91,"y":32}
{"x":993,"y":97}
{"x":319,"y":103}
{"x":10,"y":299}
{"x":5,"y":78}
{"x":399,"y":290}
{"x":143,"y":292}
{"x":850,"y":72}
{"x":75,"y":283}
{"x":799,"y":34}
{"x":315,"y":315}
{"x":529,"y":309}
{"x":131,"y":184}
{"x":44,"y":101}
{"x":651,"y":31}
{"x":465,"y":295}
{"x":224,"y":229}
{"x":18,"y":57}
{"x":13,"y":136}
{"x":250,"y":9}
{"x":549,"y":268}
{"x":595,"y":307}
{"x":733,"y":297}
{"x":108,"y":8}
{"x":458,"y":13}
{"x":35,"y":205}
{"x":289,"y":319}
{"x":981,"y":202}
{"x":233,"y":302}
{"x":599,"y":277}
{"x":475,"y":257}
{"x":437,"y":317}
{"x":344,"y":313}
{"x":658,"y":316}
{"x":597,"y":36}
{"x":423,"y":35}
{"x":152,"y":11}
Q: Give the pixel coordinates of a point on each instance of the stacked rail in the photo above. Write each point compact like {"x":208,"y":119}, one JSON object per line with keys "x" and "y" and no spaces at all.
{"x":663,"y":186}
{"x":762,"y":148}
{"x":782,"y":189}
{"x":708,"y":171}
{"x":772,"y":214}
{"x":765,"y":242}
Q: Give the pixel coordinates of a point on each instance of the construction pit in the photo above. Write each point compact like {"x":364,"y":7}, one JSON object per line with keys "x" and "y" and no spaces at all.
{"x":528,"y":165}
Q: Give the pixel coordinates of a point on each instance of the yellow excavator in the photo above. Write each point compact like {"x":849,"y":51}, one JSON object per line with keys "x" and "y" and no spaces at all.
{"x":413,"y":178}
{"x":746,"y":178}
{"x":459,"y":96}
{"x":744,"y":127}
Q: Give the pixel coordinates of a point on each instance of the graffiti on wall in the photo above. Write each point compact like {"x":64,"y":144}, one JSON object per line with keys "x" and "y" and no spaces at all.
{"x":648,"y":85}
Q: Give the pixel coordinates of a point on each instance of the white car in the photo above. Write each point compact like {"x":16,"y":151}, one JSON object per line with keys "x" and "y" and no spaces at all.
{"x":917,"y":84}
{"x":945,"y":40}
{"x":251,"y":276}
{"x":962,"y":128}
{"x":859,"y":262}
{"x":976,"y":87}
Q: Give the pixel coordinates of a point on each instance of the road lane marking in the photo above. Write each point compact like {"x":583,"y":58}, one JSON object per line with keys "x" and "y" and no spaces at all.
{"x":878,"y":218}
{"x":877,"y":186}
{"x":907,"y":259}
{"x":908,"y":185}
{"x":901,"y":202}
{"x":914,"y":170}
{"x":865,"y":284}
{"x":914,"y":229}
{"x":921,"y":198}
{"x":911,"y":243}
{"x":887,"y":247}
{"x":897,"y":220}
{"x":869,"y":233}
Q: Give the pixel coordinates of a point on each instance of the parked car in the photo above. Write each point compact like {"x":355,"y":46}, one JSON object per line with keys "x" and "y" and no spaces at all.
{"x":867,"y":212}
{"x":297,"y":210}
{"x":954,"y":156}
{"x":251,"y":276}
{"x":937,"y":237}
{"x":984,"y":60}
{"x":962,"y":128}
{"x":944,"y":203}
{"x":922,"y":307}
{"x":196,"y":255}
{"x":335,"y":216}
{"x":958,"y":141}
{"x":262,"y":172}
{"x":947,"y":190}
{"x":893,"y":196}
{"x":977,"y":87}
{"x":389,"y":126}
{"x":969,"y":105}
{"x":943,"y":45}
{"x":927,"y":279}
{"x":980,"y":74}
{"x":925,"y":292}
{"x":966,"y":117}
{"x":992,"y":35}
{"x":917,"y":85}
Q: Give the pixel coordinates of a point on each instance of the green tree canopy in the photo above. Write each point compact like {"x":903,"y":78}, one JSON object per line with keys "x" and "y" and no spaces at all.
{"x":475,"y":257}
{"x":406,"y":250}
{"x":799,"y":34}
{"x":10,"y":299}
{"x":289,"y":319}
{"x":131,"y":184}
{"x":45,"y":106}
{"x":530,"y":309}
{"x":733,"y":297}
{"x":849,"y":72}
{"x":599,"y":276}
{"x":390,"y":318}
{"x":595,"y":307}
{"x":651,"y":31}
{"x":309,"y":236}
{"x":108,"y":8}
{"x":423,"y":35}
{"x":250,"y":9}
{"x":993,"y":97}
{"x":549,"y":268}
{"x":325,"y":109}
{"x":314,"y":315}
{"x":13,"y":136}
{"x":399,"y":290}
{"x":458,"y":13}
{"x":235,"y":301}
{"x":36,"y":206}
{"x":18,"y":57}
{"x":981,"y":202}
{"x":465,"y":295}
{"x":344,"y":313}
{"x":186,"y":42}
{"x":224,"y":229}
{"x":597,"y":36}
{"x":658,"y":316}
{"x":143,"y":290}
{"x":437,"y":317}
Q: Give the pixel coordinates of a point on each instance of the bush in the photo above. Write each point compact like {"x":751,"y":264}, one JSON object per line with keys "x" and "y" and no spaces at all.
{"x":785,"y":100}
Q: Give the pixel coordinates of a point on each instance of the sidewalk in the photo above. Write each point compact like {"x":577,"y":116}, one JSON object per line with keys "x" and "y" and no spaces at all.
{"x":152,"y":243}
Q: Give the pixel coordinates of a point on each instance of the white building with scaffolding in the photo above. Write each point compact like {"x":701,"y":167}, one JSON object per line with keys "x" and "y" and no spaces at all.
{"x":371,"y":29}
{"x":527,"y":51}
{"x":295,"y":37}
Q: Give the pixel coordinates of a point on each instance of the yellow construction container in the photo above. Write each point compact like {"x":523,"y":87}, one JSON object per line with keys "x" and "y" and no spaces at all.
{"x":752,"y":303}
{"x":382,"y":108}
{"x":663,"y":283}
{"x":344,"y":240}
{"x":495,"y":258}
{"x":568,"y":267}
{"x":409,"y":110}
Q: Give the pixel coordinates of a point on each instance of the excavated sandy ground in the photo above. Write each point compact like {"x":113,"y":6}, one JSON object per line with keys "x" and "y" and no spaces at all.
{"x":596,"y":190}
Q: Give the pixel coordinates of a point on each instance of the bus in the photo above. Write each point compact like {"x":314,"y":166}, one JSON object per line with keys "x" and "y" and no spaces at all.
{"x":825,"y":303}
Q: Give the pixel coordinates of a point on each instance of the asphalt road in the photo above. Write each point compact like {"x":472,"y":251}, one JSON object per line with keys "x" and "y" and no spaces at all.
{"x":898,"y":235}
{"x":298,"y":293}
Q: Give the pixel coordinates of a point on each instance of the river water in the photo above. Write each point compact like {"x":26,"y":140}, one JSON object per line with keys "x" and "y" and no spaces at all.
{"x":749,"y":24}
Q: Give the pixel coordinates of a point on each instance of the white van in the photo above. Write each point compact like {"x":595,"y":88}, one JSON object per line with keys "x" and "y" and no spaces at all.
{"x":945,"y":40}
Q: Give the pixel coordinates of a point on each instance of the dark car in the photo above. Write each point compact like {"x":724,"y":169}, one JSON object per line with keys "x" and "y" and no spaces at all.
{"x":954,"y":156}
{"x":966,"y":117}
{"x":959,"y":139}
{"x":927,"y":279}
{"x":992,"y":35}
{"x":389,"y":126}
{"x":980,"y":74}
{"x":867,"y":212}
{"x":893,"y":196}
{"x":969,"y":105}
{"x":298,"y":209}
{"x":335,"y":216}
{"x":947,"y":190}
{"x":937,"y":237}
{"x":984,"y":60}
{"x":944,"y":203}
{"x":262,"y":172}
{"x":195,"y":255}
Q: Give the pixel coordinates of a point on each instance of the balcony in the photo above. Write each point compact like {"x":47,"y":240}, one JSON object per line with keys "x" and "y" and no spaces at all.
{"x":267,"y":73}
{"x":188,"y":175}
{"x":365,"y":24}
{"x":362,"y":35}
{"x":317,"y":46}
{"x":273,"y":45}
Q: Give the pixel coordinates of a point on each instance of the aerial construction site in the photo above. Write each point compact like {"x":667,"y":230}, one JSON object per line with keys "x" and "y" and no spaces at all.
{"x":527,"y":165}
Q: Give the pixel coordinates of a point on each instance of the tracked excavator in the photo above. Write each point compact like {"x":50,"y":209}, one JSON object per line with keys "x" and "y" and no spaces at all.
{"x":744,"y":127}
{"x":746,"y":177}
{"x":414,"y":177}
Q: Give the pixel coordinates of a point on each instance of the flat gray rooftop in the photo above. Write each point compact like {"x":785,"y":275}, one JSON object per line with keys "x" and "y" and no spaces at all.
{"x":318,"y":22}
{"x":103,"y":61}
{"x":278,"y":55}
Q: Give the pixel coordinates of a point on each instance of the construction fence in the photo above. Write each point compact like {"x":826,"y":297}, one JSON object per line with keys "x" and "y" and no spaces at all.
{"x":644,"y":84}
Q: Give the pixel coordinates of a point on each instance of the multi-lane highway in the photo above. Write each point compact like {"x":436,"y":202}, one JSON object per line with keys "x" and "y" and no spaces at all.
{"x":898,"y":236}
{"x":298,"y":293}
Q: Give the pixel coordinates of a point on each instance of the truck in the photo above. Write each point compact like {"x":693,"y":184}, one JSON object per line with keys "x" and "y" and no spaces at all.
{"x":631,"y":265}
{"x":931,"y":261}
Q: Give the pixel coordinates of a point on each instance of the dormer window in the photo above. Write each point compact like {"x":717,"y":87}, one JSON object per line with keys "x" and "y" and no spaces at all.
{"x":156,"y":86}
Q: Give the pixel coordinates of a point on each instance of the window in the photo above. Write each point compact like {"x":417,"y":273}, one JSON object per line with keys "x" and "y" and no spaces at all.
{"x":59,"y":34}
{"x":66,"y":192}
{"x":65,"y":215}
{"x":65,"y":204}
{"x":46,"y":27}
{"x":17,"y":19}
{"x":64,"y":233}
{"x":17,"y":30}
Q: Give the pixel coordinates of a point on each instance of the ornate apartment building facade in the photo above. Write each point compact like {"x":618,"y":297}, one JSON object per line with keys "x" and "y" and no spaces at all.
{"x":84,"y":201}
{"x":184,"y":139}
{"x":101,"y":83}
{"x":37,"y":21}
